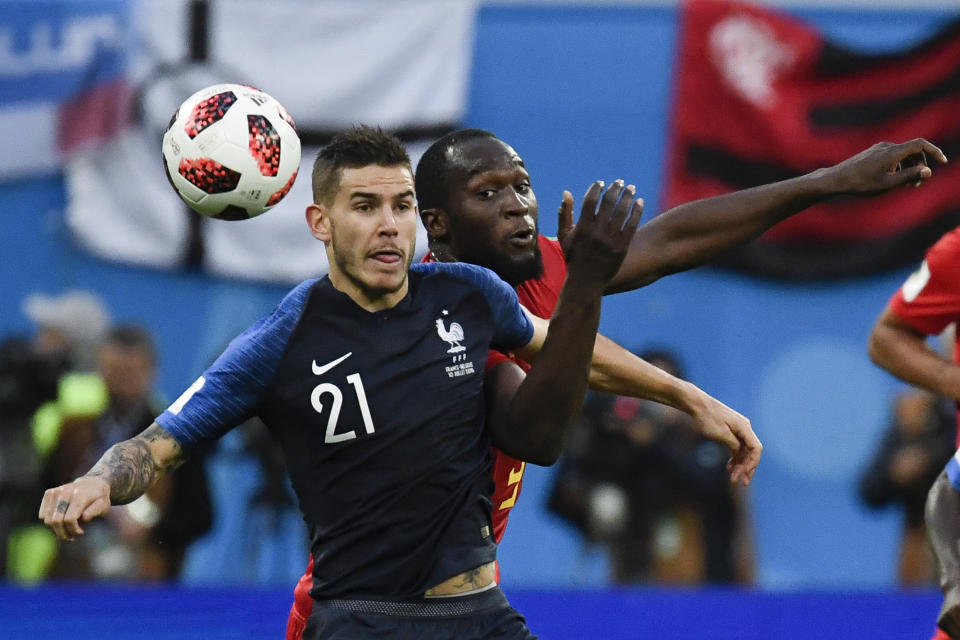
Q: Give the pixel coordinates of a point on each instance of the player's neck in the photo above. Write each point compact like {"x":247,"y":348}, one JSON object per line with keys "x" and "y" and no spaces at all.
{"x":365,"y":297}
{"x":442,"y":253}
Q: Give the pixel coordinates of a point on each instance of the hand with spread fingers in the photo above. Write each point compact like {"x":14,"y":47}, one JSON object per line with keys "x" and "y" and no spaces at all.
{"x":596,"y":246}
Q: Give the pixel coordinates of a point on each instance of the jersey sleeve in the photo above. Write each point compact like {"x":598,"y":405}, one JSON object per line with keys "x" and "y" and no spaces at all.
{"x":494,"y":358}
{"x":953,"y":470}
{"x":512,"y":328}
{"x":929,"y":300}
{"x":230,"y":390}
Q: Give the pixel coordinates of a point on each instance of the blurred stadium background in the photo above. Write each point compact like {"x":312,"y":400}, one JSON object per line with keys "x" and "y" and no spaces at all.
{"x":582,"y":90}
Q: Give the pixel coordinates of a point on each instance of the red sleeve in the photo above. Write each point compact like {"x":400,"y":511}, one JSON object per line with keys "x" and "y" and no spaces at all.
{"x":929,"y":300}
{"x":507,"y":472}
{"x":494,"y":358}
{"x":507,"y":475}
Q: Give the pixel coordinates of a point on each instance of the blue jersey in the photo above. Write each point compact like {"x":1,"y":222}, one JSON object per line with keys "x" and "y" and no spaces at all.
{"x":381,"y":419}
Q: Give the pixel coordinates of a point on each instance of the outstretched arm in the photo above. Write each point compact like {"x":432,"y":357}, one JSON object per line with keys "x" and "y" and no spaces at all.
{"x":550,"y":396}
{"x":121,"y":476}
{"x":616,"y":370}
{"x":943,"y":530}
{"x":903,"y":351}
{"x":694,"y":233}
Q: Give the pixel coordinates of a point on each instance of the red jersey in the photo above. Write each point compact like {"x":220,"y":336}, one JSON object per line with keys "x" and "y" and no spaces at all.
{"x":539,"y":296}
{"x":930,"y":298}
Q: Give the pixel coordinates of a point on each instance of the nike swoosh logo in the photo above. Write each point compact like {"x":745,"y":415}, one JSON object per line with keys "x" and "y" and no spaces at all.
{"x":318,"y":370}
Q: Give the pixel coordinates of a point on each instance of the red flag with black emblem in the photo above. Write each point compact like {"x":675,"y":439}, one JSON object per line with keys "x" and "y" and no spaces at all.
{"x":761,"y":96}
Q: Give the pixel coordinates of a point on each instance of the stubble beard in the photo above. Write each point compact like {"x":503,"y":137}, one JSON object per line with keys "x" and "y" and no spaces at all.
{"x":516,"y":272}
{"x":354,"y":274}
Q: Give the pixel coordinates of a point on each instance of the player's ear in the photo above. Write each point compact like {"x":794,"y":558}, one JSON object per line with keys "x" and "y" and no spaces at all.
{"x":436,"y":222}
{"x":318,"y":219}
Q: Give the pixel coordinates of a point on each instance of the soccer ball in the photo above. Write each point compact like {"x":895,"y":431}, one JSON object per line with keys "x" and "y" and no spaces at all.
{"x":231,"y":152}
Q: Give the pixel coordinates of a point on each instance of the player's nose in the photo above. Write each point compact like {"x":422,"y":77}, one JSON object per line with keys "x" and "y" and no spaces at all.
{"x":515,"y":204}
{"x":388,"y":221}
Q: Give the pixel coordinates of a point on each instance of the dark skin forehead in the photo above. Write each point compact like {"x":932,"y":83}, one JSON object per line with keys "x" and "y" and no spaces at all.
{"x":482,"y":155}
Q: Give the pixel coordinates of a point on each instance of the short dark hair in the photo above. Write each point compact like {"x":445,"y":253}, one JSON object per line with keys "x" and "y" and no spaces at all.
{"x":433,"y":171}
{"x":358,"y":146}
{"x":130,"y":336}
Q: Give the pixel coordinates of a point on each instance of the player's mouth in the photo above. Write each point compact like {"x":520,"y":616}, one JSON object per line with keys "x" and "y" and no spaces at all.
{"x":387,"y":256}
{"x":523,"y":238}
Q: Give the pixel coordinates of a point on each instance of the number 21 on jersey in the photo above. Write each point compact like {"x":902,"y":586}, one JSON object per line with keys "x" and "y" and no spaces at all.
{"x":335,"y":395}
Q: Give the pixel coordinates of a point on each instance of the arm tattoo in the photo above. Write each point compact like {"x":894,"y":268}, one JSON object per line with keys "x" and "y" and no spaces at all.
{"x":130,"y":468}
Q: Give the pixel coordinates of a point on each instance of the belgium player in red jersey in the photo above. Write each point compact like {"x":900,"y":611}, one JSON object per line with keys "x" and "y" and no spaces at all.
{"x":926,"y":304}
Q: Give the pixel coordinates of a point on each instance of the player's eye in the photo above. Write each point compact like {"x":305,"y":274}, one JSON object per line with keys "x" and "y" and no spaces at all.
{"x":523,"y":187}
{"x":486,"y":194}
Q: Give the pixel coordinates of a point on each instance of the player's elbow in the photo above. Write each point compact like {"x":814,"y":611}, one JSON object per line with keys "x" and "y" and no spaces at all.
{"x":539,"y":454}
{"x":546,"y":456}
{"x":877,"y":348}
{"x":540,"y":459}
{"x":543,"y":452}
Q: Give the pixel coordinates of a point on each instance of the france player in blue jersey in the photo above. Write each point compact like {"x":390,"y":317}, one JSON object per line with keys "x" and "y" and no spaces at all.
{"x":371,"y":380}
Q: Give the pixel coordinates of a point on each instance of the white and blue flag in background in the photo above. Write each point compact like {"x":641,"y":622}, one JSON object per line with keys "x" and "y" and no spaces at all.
{"x":88,"y":86}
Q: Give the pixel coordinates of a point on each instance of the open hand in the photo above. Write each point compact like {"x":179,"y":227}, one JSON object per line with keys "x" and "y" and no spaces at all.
{"x":886,"y":166}
{"x":64,"y":508}
{"x":596,"y":246}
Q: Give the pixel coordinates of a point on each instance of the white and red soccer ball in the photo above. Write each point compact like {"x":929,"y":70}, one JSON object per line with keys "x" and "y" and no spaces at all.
{"x":231,"y":151}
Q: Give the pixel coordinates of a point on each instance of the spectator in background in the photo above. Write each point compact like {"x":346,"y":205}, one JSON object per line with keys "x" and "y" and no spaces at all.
{"x":259,"y":535}
{"x":639,"y":479}
{"x":147,"y":539}
{"x":68,"y":329}
{"x":27,"y":380}
{"x":917,"y":444}
{"x":71,"y":325}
